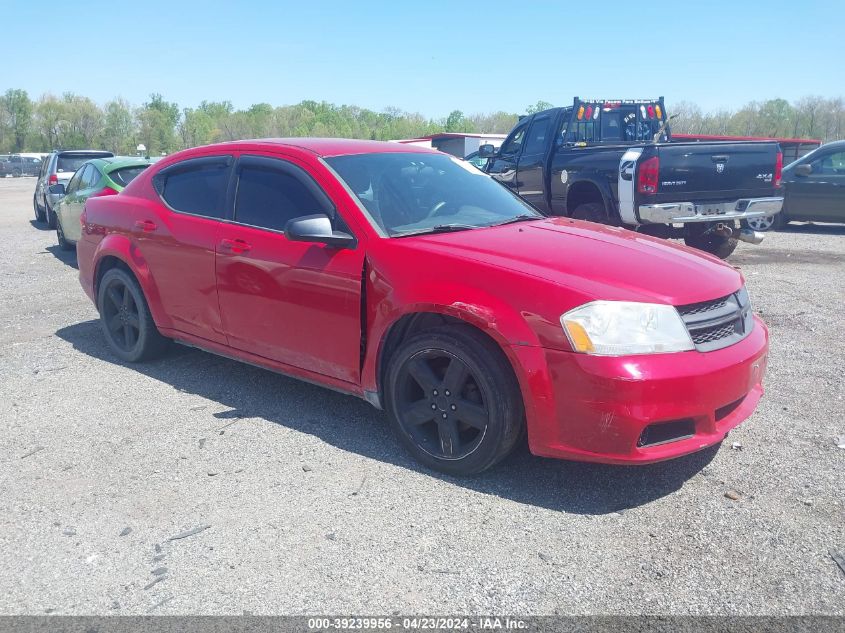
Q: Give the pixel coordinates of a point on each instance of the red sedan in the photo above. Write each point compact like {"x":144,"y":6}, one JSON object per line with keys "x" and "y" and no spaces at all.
{"x":410,"y":279}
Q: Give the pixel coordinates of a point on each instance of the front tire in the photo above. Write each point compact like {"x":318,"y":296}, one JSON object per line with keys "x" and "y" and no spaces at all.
{"x":60,"y":236}
{"x":126,"y":320}
{"x":453,"y":400}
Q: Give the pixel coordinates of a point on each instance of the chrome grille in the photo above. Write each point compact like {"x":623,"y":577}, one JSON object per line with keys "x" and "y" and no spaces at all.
{"x":718,"y":323}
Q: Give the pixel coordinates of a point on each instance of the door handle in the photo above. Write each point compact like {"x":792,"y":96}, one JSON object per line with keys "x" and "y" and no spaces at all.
{"x":147,"y":226}
{"x":235,"y":246}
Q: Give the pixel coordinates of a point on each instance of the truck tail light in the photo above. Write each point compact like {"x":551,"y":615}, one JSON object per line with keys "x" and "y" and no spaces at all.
{"x":53,"y":179}
{"x":778,"y":169}
{"x":105,"y":191}
{"x":647,"y":175}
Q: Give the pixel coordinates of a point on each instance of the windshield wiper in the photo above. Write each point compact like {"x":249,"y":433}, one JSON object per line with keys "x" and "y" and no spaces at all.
{"x":438,"y":228}
{"x":524,"y":217}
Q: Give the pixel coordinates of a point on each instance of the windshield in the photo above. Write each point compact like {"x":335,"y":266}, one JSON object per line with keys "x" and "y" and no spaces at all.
{"x":408,"y":193}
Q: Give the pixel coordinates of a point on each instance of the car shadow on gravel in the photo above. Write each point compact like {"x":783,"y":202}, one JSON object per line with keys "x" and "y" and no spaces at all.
{"x":66,"y":257}
{"x":41,"y":226}
{"x":353,"y":425}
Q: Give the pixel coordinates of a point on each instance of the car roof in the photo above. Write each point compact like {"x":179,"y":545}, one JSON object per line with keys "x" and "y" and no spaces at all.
{"x":330,"y":146}
{"x":119,"y":162}
{"x":81,"y":152}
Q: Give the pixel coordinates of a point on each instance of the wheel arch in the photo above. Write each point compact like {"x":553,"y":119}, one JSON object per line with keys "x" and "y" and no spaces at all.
{"x":420,"y":318}
{"x":584,"y":191}
{"x":117,"y":251}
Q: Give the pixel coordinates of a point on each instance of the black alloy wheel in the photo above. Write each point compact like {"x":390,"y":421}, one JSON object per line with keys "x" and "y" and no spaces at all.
{"x":454,"y":400}
{"x":125,"y":318}
{"x":440,"y":406}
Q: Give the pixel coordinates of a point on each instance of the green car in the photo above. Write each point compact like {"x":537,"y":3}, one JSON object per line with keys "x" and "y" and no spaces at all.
{"x":96,"y":177}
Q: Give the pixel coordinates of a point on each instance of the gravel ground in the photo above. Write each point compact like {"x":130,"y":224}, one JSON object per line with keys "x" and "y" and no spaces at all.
{"x":302,"y":501}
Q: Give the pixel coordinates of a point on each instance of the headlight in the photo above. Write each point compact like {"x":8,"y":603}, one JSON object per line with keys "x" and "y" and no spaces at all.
{"x":619,"y":328}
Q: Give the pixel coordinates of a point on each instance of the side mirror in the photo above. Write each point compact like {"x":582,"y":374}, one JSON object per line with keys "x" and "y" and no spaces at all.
{"x":317,"y":228}
{"x":57,"y":189}
{"x":486,"y":151}
{"x":803,"y":169}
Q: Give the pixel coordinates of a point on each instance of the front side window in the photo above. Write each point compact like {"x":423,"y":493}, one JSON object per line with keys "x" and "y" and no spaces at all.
{"x":831,"y":165}
{"x":73,"y":185}
{"x":513,"y":144}
{"x":196,"y":186}
{"x":90,"y":178}
{"x":268,"y":198}
{"x":407,"y":193}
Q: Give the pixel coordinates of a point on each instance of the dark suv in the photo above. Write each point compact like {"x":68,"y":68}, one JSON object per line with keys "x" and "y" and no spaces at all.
{"x":58,"y":167}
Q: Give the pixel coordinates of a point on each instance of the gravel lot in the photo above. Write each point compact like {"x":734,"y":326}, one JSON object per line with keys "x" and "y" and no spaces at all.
{"x":311,"y":506}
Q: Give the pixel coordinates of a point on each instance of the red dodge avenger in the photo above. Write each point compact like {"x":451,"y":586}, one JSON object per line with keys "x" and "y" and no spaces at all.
{"x":410,"y":279}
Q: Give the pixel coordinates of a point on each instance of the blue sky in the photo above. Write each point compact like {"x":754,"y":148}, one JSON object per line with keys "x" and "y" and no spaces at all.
{"x":429,"y":57}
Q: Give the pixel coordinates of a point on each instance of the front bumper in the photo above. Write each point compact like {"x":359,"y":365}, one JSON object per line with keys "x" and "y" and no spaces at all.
{"x":686,"y":212}
{"x":593,"y":408}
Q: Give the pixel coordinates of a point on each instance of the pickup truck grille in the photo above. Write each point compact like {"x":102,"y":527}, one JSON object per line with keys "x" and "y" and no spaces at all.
{"x":718,"y":323}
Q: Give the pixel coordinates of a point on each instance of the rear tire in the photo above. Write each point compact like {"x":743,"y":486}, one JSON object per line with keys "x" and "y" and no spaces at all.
{"x":591,"y":212}
{"x":39,"y":211}
{"x":126,"y":320}
{"x":50,"y":216}
{"x":453,"y":400}
{"x":717,"y":245}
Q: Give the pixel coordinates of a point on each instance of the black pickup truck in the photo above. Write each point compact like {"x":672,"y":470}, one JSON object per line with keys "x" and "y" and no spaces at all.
{"x":613,"y":162}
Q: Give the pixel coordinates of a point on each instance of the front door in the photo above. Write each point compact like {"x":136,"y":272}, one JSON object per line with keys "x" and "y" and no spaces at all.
{"x":820,"y":195}
{"x":503,"y":165}
{"x":531,"y":170}
{"x":298,"y":303}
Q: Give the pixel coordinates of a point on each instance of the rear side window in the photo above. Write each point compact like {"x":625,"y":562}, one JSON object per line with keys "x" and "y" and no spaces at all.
{"x":271,"y":192}
{"x":126,"y":175}
{"x":196,"y":186}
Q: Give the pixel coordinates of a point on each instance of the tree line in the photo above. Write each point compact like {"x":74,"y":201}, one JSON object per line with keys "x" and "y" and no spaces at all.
{"x":74,"y":121}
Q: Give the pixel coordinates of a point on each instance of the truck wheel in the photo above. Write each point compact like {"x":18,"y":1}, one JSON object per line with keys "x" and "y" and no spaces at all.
{"x":453,"y":400}
{"x":765,"y":223}
{"x":717,"y":245}
{"x":592,"y":212}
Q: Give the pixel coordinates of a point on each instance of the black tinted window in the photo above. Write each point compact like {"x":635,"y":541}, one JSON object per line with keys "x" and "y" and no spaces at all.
{"x":269,"y":198}
{"x":513,"y":144}
{"x":537,"y":136}
{"x":199,"y":189}
{"x":125,"y":175}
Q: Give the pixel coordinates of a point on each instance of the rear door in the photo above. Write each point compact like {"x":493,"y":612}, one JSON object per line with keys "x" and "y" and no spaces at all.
{"x":176,"y":236}
{"x":531,"y":169}
{"x":298,"y":303}
{"x":820,"y":195}
{"x":716,"y":171}
{"x":503,"y":165}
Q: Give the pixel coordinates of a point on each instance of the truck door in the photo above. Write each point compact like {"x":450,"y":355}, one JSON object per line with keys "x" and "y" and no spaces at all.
{"x":503,"y":165}
{"x":531,"y":168}
{"x":821,"y":195}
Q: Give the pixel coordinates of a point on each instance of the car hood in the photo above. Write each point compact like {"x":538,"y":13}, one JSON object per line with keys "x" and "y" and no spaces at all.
{"x":603,"y":262}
